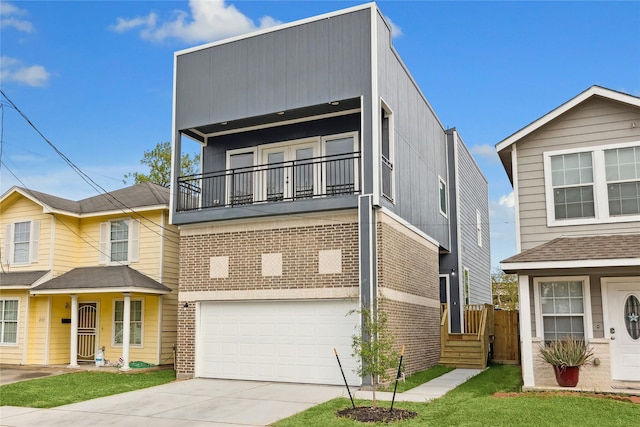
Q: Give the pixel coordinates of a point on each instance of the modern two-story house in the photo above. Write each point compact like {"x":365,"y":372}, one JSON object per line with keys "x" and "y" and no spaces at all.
{"x":79,"y":277}
{"x":327,"y":182}
{"x":576,"y":178}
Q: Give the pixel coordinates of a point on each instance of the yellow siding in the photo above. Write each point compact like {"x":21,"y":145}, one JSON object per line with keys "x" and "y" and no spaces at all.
{"x":11,"y":354}
{"x":66,"y":244}
{"x":170,"y":302}
{"x":38,"y":330}
{"x":60,"y":333}
{"x":22,"y":209}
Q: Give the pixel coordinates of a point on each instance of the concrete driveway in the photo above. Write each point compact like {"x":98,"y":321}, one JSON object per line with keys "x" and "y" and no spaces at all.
{"x":196,"y":402}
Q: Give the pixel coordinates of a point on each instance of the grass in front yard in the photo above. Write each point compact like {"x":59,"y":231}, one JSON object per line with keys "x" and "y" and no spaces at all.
{"x":473,"y":404}
{"x":78,"y":386}
{"x":419,"y":378}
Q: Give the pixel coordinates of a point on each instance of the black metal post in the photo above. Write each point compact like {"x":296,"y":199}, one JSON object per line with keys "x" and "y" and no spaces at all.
{"x":397,"y":376}
{"x":344,"y":378}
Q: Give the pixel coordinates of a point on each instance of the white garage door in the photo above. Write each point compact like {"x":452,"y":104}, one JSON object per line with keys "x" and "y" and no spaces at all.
{"x":289,"y":341}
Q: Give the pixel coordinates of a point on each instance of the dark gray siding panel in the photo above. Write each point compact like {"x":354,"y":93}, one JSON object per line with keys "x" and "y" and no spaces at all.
{"x":419,"y":142}
{"x":303,"y":65}
{"x":474,"y":195}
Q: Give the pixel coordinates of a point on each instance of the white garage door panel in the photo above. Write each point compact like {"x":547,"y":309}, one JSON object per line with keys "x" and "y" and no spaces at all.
{"x":289,"y":341}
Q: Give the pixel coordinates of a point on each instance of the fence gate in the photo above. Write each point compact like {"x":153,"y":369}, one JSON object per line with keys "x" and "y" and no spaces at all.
{"x":87,"y":326}
{"x":506,"y":345}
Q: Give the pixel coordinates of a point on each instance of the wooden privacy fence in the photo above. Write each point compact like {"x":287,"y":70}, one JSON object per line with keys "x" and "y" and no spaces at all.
{"x":506,"y":344}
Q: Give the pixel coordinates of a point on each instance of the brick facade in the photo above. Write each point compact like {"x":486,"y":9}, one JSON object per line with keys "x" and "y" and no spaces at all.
{"x":298,"y":240}
{"x":408,"y":266}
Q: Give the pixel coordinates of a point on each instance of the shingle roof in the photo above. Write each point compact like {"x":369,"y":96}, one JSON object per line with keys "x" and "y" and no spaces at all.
{"x":134,"y":197}
{"x":20,"y":278}
{"x":584,"y":248}
{"x":118,"y":278}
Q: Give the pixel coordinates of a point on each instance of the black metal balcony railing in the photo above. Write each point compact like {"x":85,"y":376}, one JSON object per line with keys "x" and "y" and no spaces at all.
{"x":327,"y":176}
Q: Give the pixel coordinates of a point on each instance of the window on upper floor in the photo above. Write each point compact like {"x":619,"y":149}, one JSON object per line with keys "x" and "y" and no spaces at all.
{"x":21,"y":242}
{"x":443,"y":196}
{"x":598,"y":184}
{"x":135,"y":328}
{"x":622,"y":167}
{"x":119,"y":241}
{"x":560,"y":304}
{"x":8,"y":321}
{"x":386,"y":151}
{"x":465,"y":284}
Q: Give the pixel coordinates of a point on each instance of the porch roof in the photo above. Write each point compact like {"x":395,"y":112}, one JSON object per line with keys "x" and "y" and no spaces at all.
{"x":120,"y":278}
{"x":20,"y":279}
{"x":578,"y":252}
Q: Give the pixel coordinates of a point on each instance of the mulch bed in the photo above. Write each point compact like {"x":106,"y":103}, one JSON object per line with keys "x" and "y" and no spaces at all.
{"x":632,"y":399}
{"x":367,"y":414}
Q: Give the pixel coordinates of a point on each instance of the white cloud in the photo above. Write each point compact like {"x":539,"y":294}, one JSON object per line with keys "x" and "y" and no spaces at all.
{"x":8,"y":12}
{"x":486,"y":151}
{"x":396,"y":31}
{"x":507,"y":200}
{"x":13,"y":70}
{"x":206,"y":21}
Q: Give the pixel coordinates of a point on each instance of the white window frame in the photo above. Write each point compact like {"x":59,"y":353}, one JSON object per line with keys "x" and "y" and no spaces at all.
{"x":2,"y":324}
{"x":356,"y":169}
{"x":388,"y":114}
{"x":586,"y":301}
{"x":442,"y":185}
{"x":113,"y":323}
{"x":8,"y":256}
{"x":133,"y":242}
{"x":600,"y":194}
{"x":254,"y":151}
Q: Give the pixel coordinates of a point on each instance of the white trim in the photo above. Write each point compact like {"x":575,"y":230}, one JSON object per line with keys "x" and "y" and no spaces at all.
{"x":277,"y":28}
{"x":276,"y":124}
{"x":592,"y":91}
{"x":586,"y":303}
{"x":375,"y":113}
{"x":269,"y":294}
{"x":546,"y":265}
{"x":392,"y":149}
{"x":525,"y":331}
{"x":99,"y":290}
{"x":176,"y":145}
{"x":17,"y":343}
{"x":25,"y":344}
{"x":516,"y":197}
{"x":441,"y":181}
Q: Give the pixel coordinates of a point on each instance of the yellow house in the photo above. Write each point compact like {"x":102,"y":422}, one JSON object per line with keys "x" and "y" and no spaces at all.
{"x":89,"y":277}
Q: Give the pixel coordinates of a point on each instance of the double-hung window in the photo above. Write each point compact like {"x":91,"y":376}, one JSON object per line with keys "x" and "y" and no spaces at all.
{"x":8,"y":321}
{"x":135,"y":326}
{"x":561,"y":304}
{"x":622,"y":167}
{"x":600,"y":185}
{"x":21,"y":242}
{"x":119,"y":241}
{"x":572,"y":180}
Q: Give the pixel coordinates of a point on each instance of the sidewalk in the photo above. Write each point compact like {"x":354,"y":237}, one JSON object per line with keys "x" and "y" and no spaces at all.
{"x":433,"y":389}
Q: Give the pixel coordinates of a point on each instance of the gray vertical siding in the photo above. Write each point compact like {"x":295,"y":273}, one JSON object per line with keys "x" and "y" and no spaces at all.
{"x":308,"y":64}
{"x":419,"y":143}
{"x":473,"y":195}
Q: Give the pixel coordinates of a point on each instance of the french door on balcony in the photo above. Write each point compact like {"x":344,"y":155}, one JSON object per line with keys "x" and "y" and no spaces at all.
{"x":290,"y":172}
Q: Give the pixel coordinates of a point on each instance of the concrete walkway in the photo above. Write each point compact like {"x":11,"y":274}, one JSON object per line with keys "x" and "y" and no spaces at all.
{"x":210,"y":402}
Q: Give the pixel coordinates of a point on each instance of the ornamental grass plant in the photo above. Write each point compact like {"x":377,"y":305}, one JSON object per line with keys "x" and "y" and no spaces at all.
{"x":566,"y":352}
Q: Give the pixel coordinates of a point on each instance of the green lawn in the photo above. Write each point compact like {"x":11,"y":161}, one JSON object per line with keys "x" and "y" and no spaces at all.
{"x":77,"y":387}
{"x":473,"y":404}
{"x":419,"y":378}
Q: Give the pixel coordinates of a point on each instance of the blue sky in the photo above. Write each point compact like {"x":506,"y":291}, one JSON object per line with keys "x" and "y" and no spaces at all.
{"x":95,"y":77}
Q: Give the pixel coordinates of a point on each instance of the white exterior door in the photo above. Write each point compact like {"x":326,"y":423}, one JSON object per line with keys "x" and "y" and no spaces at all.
{"x":287,"y":341}
{"x":623,"y":300}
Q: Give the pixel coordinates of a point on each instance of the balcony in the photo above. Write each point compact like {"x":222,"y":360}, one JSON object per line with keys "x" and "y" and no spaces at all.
{"x":312,"y":178}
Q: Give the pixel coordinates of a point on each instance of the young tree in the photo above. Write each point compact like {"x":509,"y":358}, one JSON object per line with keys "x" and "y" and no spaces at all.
{"x":373,"y":347}
{"x":159,"y":162}
{"x":505,"y":290}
